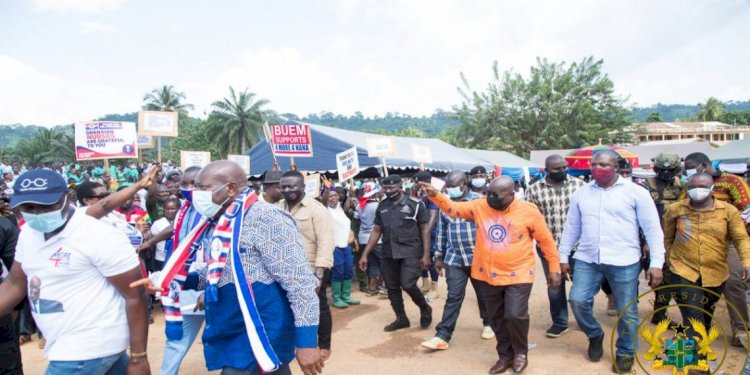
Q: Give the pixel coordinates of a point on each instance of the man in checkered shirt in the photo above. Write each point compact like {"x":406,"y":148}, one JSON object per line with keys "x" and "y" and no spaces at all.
{"x":552,"y":195}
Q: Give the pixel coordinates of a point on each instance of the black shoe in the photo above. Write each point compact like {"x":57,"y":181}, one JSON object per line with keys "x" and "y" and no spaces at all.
{"x":595,"y":348}
{"x":556,"y":331}
{"x":656,"y":320}
{"x":397,"y":324}
{"x":623,"y":364}
{"x":425,"y":319}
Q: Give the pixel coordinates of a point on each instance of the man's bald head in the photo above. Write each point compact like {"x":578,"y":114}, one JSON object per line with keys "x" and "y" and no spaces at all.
{"x":608,"y":157}
{"x":502,"y":183}
{"x":222,"y":171}
{"x":553,"y":161}
{"x":455,"y":178}
{"x":224,"y":179}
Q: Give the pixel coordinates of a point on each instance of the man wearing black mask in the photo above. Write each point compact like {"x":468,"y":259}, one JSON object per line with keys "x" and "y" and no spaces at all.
{"x":504,"y":263}
{"x":403,"y":223}
{"x":316,"y":227}
{"x":552,"y":196}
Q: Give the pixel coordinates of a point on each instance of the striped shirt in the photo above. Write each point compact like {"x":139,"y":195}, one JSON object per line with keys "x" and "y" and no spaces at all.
{"x":553,"y":202}
{"x":456,"y":237}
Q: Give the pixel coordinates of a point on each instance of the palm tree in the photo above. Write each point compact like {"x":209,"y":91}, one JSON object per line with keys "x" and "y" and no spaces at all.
{"x":712,"y":110}
{"x":166,"y":99}
{"x":235,"y":122}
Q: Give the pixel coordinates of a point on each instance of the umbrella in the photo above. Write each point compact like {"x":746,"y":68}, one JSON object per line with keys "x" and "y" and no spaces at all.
{"x":581,"y":159}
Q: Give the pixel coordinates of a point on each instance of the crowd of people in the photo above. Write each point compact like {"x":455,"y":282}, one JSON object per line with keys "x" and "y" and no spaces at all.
{"x":252,"y":263}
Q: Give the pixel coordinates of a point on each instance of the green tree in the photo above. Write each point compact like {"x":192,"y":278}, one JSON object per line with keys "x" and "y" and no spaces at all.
{"x":558,"y":105}
{"x":736,"y":117}
{"x":236,"y":122}
{"x":192,"y":137}
{"x":654,"y":117}
{"x":166,"y":99}
{"x":711,"y":110}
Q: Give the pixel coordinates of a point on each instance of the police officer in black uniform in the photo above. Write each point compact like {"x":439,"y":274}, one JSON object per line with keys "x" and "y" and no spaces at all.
{"x":403,"y":223}
{"x":665,"y":189}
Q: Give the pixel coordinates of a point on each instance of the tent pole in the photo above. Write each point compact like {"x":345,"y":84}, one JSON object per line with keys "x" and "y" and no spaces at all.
{"x":385,"y":166}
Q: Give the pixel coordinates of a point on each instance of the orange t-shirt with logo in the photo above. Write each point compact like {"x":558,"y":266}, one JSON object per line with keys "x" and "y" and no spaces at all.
{"x":504,"y":249}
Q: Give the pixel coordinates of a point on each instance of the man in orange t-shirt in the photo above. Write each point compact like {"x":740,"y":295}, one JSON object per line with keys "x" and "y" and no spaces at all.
{"x":504,"y":262}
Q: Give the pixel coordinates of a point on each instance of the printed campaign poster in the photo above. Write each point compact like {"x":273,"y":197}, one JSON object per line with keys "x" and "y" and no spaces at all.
{"x":242,"y":160}
{"x":194,"y":158}
{"x":160,"y":124}
{"x":381,"y":146}
{"x":347,"y":163}
{"x":105,"y":140}
{"x":291,"y":140}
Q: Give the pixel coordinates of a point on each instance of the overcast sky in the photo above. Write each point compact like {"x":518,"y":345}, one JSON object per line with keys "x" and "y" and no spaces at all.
{"x":63,"y":61}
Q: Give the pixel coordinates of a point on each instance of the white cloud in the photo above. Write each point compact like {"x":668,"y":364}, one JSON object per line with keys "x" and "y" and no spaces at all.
{"x":96,"y":28}
{"x":30,"y":96}
{"x":78,"y":6}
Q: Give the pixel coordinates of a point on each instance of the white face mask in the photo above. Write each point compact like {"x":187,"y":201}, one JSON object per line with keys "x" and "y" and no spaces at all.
{"x":47,"y":222}
{"x":203,"y":201}
{"x":699,"y":194}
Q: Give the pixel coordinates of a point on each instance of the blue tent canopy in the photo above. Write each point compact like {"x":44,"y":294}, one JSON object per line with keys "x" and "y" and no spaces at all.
{"x":510,"y":165}
{"x":327,"y":142}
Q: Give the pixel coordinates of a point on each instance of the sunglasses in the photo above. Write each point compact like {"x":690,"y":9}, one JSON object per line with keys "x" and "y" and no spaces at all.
{"x":100,"y":196}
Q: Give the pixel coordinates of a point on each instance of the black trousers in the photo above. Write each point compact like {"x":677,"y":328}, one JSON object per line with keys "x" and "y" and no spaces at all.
{"x":325,"y":327}
{"x":696,"y":299}
{"x":508,"y":310}
{"x":403,"y":274}
{"x":10,"y":352}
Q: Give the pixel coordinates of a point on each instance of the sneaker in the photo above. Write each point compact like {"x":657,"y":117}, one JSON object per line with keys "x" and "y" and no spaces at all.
{"x":436,"y":343}
{"x":623,"y":364}
{"x":487,"y":333}
{"x":556,"y":331}
{"x":596,"y":351}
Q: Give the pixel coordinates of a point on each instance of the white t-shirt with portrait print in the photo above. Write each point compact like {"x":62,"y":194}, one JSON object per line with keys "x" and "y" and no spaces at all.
{"x":81,"y":314}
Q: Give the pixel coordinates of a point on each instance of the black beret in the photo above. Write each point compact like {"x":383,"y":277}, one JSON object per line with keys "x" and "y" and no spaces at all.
{"x":393,"y":179}
{"x":478,"y":170}
{"x":423,"y":176}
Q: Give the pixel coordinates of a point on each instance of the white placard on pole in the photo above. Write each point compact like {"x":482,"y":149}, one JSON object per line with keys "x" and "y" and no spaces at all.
{"x":421,"y":154}
{"x":194,"y":158}
{"x":381,"y":146}
{"x":312,"y":185}
{"x":347,"y":163}
{"x":160,"y":124}
{"x":242,"y":160}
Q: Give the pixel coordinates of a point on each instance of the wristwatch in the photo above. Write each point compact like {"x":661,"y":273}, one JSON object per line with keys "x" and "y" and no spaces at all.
{"x":319,"y":274}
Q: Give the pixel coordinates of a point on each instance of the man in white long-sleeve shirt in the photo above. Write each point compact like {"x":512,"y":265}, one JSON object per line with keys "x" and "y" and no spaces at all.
{"x":604,"y":218}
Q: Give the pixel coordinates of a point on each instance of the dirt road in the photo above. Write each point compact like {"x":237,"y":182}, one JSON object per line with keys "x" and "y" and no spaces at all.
{"x":360,"y":347}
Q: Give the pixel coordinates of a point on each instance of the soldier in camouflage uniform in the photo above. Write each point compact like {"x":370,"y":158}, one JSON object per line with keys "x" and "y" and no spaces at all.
{"x":665,"y":189}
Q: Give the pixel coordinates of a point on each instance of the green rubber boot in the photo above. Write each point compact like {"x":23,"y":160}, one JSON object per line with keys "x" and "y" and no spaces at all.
{"x":336,"y":294}
{"x":346,"y":293}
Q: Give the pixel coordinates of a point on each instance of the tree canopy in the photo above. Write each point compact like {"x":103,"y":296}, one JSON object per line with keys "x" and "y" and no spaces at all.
{"x":558,"y":105}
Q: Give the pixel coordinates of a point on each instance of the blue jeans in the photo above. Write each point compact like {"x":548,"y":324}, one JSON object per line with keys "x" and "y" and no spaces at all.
{"x":175,"y":350}
{"x":115,"y":364}
{"x":343,"y":264}
{"x":558,"y":301}
{"x":624,"y":282}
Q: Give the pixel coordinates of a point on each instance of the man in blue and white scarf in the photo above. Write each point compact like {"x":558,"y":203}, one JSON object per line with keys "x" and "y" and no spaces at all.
{"x":261,"y":311}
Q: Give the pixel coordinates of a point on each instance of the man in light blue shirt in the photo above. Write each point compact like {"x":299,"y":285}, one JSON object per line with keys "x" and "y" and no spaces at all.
{"x":604,"y":218}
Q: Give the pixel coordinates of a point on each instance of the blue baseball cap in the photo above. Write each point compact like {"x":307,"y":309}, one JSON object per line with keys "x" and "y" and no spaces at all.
{"x":39,"y":186}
